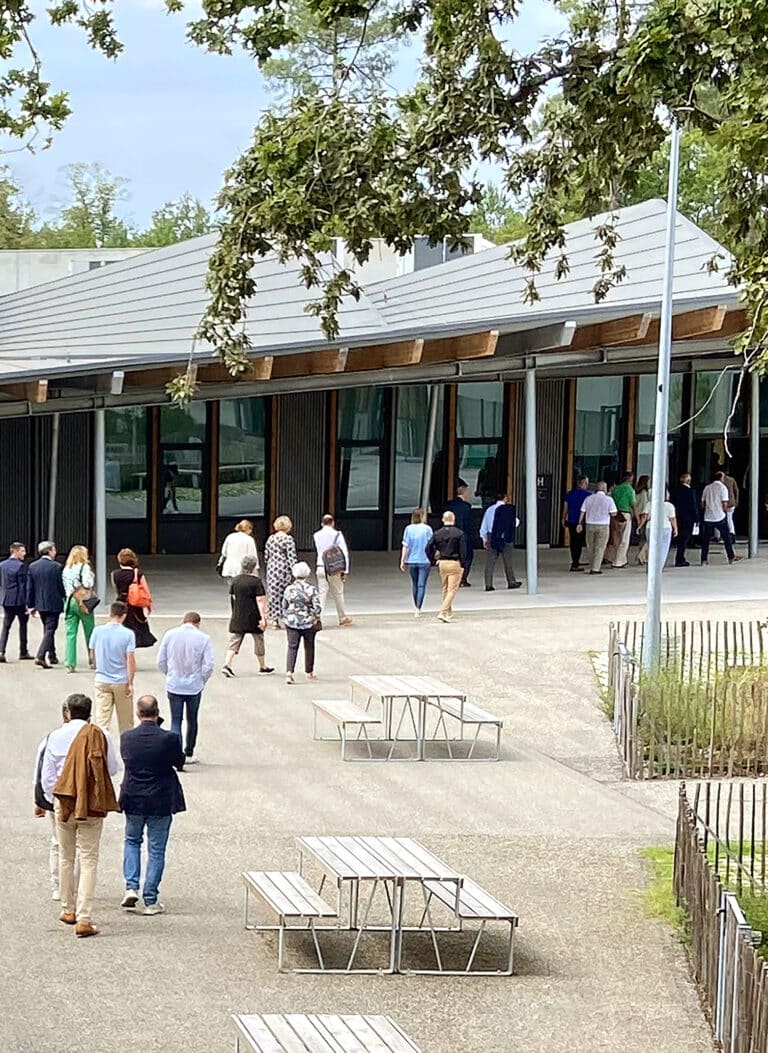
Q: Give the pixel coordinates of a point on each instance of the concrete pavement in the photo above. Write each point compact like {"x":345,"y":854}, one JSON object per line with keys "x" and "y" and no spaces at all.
{"x":552,"y":830}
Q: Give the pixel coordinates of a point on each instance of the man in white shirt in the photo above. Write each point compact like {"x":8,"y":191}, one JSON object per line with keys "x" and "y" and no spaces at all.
{"x":714,"y":501}
{"x":186,"y":658}
{"x":596,"y":515}
{"x":332,"y":565}
{"x":79,"y":837}
{"x":44,"y":807}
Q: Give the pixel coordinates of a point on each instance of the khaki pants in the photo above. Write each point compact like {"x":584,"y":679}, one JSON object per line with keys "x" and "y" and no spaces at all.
{"x":109,"y":697}
{"x":334,"y":585}
{"x":82,"y":838}
{"x":450,"y":579}
{"x":617,"y":552}
{"x":597,"y":539}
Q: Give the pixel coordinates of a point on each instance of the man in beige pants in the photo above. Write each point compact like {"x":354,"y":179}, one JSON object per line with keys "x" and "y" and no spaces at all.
{"x":448,"y":548}
{"x":596,"y":514}
{"x":113,"y":648}
{"x":79,"y":837}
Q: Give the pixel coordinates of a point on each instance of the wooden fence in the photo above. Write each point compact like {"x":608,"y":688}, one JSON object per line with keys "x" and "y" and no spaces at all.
{"x":705,"y":714}
{"x":732,"y":975}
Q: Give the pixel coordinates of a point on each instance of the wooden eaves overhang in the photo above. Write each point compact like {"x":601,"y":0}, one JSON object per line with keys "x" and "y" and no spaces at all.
{"x":467,"y":355}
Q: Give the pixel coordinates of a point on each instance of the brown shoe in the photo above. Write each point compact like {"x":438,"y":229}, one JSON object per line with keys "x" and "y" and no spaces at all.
{"x":345,"y":621}
{"x":67,"y":918}
{"x":84,"y":928}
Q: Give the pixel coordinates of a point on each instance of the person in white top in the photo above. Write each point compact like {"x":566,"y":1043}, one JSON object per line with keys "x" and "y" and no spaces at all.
{"x":595,"y":516}
{"x":669,"y":531}
{"x":332,"y":565}
{"x":236,"y":547}
{"x":714,"y":501}
{"x":44,"y":807}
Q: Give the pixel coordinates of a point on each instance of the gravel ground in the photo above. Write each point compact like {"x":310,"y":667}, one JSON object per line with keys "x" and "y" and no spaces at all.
{"x":552,"y":830}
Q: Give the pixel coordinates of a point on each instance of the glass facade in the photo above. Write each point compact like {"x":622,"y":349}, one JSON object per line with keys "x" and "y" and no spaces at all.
{"x":645,"y":420}
{"x":360,"y":433}
{"x":714,"y":395}
{"x":242,"y":456}
{"x":126,"y":462}
{"x":183,"y":424}
{"x":479,"y":432}
{"x":410,"y":442}
{"x":599,"y":416}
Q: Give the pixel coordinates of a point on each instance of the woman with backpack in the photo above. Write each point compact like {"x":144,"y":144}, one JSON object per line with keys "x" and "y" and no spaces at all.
{"x":78,"y":581}
{"x":131,"y":587}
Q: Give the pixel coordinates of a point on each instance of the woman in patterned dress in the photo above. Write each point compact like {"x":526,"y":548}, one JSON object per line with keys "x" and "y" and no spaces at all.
{"x":279,"y":557}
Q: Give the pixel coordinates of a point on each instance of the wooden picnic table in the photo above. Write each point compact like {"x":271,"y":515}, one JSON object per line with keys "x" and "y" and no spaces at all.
{"x":321,"y":1033}
{"x":412,"y":691}
{"x":391,"y":861}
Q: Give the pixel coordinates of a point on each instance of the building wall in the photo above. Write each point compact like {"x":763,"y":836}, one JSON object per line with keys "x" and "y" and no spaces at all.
{"x":23,"y":268}
{"x":300,"y":483}
{"x":550,"y":439}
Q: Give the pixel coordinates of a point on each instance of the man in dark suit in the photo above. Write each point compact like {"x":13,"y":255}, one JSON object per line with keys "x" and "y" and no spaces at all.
{"x":687,"y":512}
{"x":13,"y":596}
{"x":150,"y":796}
{"x":465,"y":521}
{"x":501,"y":542}
{"x":45,"y":594}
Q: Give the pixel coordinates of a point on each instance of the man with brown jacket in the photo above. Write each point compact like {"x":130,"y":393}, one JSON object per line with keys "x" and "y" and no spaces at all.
{"x":78,"y":763}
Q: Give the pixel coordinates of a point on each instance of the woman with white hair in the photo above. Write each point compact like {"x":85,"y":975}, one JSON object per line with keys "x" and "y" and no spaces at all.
{"x":301,"y":615}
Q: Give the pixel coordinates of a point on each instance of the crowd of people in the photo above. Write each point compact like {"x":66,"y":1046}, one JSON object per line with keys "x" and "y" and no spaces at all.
{"x":605,"y":523}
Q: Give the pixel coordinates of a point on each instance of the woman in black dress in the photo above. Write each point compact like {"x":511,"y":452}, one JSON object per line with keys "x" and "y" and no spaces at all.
{"x":136,"y":619}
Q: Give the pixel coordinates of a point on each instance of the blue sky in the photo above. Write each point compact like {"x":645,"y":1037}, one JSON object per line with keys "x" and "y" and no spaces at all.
{"x":166,"y":115}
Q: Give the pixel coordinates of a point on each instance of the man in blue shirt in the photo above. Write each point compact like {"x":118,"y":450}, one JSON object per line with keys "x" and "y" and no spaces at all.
{"x":574,"y":499}
{"x":465,"y":521}
{"x":186,"y":658}
{"x":113,"y":650}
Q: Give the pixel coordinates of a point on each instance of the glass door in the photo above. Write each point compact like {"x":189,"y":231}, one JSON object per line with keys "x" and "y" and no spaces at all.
{"x":182,"y":492}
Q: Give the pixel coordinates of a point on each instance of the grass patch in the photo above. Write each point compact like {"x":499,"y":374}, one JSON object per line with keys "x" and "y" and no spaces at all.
{"x":658,"y":896}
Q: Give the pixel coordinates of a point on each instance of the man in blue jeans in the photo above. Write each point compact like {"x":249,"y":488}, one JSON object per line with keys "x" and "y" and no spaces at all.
{"x":186,"y":658}
{"x":150,"y":796}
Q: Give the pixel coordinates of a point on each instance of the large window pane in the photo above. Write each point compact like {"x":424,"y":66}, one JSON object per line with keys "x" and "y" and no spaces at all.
{"x":181,"y":481}
{"x":599,"y":412}
{"x":359,"y":478}
{"x":646,"y":404}
{"x":479,"y":465}
{"x":183,"y":423}
{"x":410,"y":444}
{"x":361,"y":414}
{"x":242,"y":456}
{"x":126,"y":467}
{"x":715,"y":392}
{"x":480,"y":410}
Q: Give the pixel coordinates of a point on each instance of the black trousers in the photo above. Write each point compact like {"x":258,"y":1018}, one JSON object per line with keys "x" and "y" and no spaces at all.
{"x":295,"y":636}
{"x":50,"y":620}
{"x":470,"y":557}
{"x":684,"y":535}
{"x":10,"y":614}
{"x":708,"y":532}
{"x":576,"y":543}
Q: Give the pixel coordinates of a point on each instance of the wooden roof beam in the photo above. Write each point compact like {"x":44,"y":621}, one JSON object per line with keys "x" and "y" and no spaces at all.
{"x":217,"y":372}
{"x":385,"y":356}
{"x":458,"y":348}
{"x":310,"y":363}
{"x":633,"y":329}
{"x":32,"y":391}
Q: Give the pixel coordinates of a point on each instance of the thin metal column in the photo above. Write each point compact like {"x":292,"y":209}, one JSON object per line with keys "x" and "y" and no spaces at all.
{"x":652,"y":637}
{"x":53,"y":478}
{"x":531,"y":490}
{"x":100,"y":502}
{"x":429,"y":446}
{"x":754,"y":468}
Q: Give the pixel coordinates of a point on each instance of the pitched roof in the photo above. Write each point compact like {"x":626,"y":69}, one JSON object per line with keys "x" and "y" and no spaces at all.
{"x":486,"y":289}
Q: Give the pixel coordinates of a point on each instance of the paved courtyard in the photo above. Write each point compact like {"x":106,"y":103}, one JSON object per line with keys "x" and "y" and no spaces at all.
{"x":552,"y":830}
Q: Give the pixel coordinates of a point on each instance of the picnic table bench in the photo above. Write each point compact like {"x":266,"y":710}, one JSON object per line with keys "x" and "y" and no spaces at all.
{"x":291,"y":899}
{"x":345,"y":714}
{"x":320,"y":1033}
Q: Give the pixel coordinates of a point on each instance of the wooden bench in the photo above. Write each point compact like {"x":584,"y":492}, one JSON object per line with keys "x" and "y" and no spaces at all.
{"x":291,"y":899}
{"x":345,"y":714}
{"x":467,"y":713}
{"x":474,"y":905}
{"x":321,"y":1033}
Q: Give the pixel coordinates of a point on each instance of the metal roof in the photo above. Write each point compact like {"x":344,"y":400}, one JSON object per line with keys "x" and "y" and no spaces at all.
{"x":145,"y":310}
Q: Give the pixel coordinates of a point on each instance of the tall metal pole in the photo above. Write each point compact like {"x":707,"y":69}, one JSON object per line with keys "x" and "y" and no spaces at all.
{"x":660,"y":435}
{"x":429,"y":447}
{"x":100,"y":502}
{"x":754,"y":468}
{"x":53,"y":477}
{"x":531,"y":488}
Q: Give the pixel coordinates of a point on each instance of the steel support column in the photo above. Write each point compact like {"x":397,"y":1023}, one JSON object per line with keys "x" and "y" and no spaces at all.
{"x":53,"y":478}
{"x":100,"y":503}
{"x":754,"y":467}
{"x":429,"y":447}
{"x":531,"y":489}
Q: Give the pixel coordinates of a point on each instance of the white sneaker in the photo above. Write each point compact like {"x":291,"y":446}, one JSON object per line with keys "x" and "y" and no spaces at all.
{"x":190,"y":760}
{"x":55,"y":895}
{"x":130,"y":899}
{"x":154,"y":908}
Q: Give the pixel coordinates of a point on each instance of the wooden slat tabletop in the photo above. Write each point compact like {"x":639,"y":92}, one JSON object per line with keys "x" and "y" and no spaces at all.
{"x":386,"y":858}
{"x":395,"y":686}
{"x":322,"y":1033}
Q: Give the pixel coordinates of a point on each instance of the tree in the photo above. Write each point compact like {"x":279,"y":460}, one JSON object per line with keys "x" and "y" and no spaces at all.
{"x":496,"y":218}
{"x":176,"y":221}
{"x":16,"y":216}
{"x":89,"y":219}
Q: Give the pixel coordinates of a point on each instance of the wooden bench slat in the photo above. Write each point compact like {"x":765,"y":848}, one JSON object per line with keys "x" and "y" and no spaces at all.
{"x":396,"y":1039}
{"x":312,"y":1034}
{"x":257,"y":1033}
{"x":358,"y":859}
{"x":281,"y":1028}
{"x":470,"y":713}
{"x":474,"y":901}
{"x":336,"y":1028}
{"x":344,"y":712}
{"x":368,"y":1031}
{"x":428,"y":860}
{"x":300,"y":891}
{"x":329,"y":857}
{"x":288,"y":894}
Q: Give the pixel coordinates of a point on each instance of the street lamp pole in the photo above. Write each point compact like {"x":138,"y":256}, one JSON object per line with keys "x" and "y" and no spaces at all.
{"x":652,"y":638}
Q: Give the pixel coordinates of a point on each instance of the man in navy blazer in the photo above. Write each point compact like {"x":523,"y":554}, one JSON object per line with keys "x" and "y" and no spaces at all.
{"x":688,"y":513}
{"x":45,"y":594}
{"x":13,"y":597}
{"x":150,"y":796}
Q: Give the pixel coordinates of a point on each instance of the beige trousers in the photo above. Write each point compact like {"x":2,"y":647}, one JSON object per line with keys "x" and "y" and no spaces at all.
{"x":450,"y":579}
{"x":334,"y":585}
{"x":111,"y":697}
{"x":82,"y":838}
{"x":597,"y":539}
{"x":617,"y":554}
